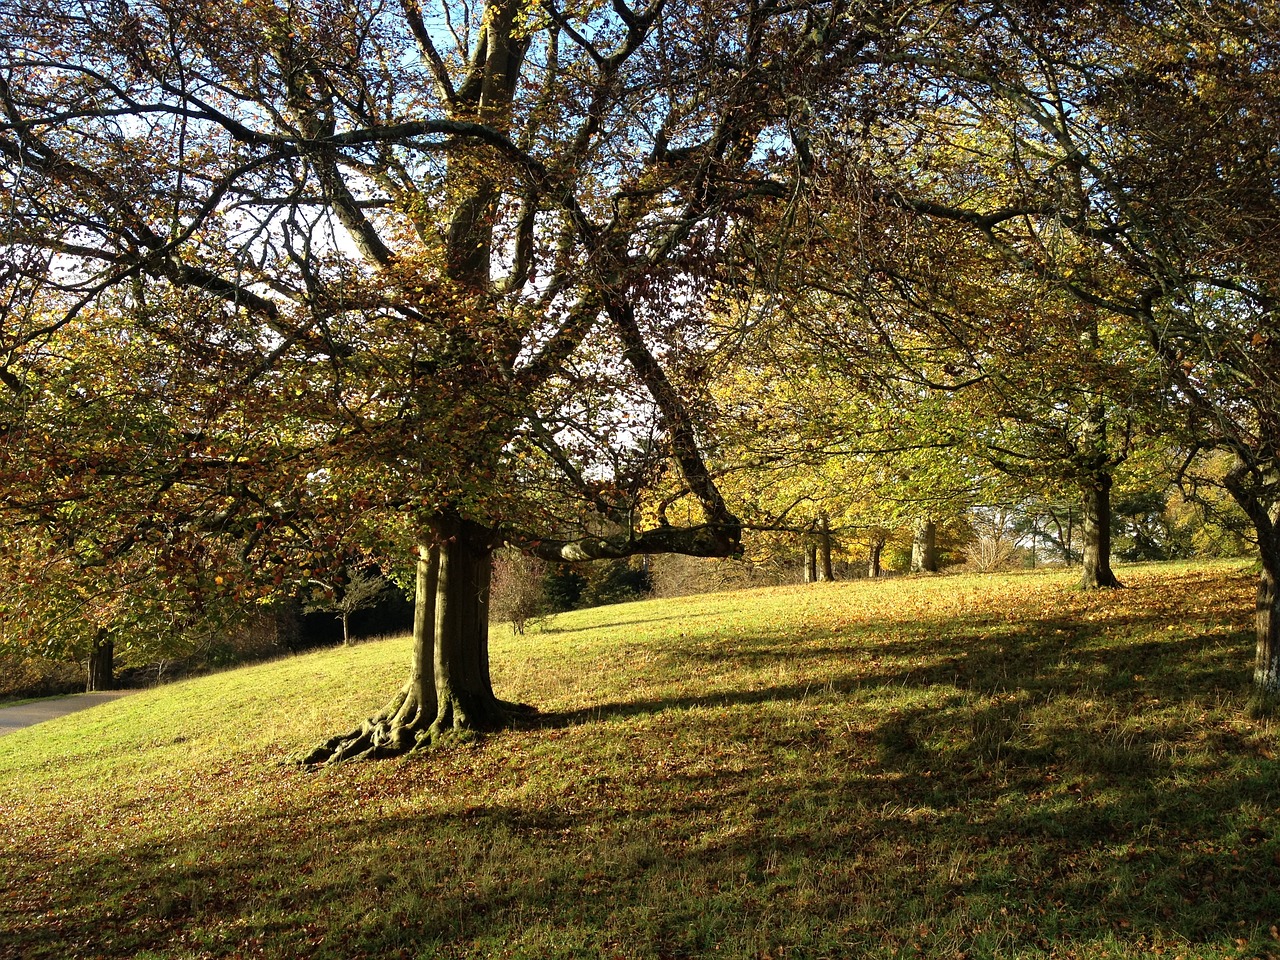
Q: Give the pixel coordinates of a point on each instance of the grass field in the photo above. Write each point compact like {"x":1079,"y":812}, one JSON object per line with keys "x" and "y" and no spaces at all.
{"x":938,"y":767}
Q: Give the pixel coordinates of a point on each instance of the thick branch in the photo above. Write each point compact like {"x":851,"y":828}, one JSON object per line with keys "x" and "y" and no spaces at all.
{"x":684,"y":441}
{"x":701,"y":541}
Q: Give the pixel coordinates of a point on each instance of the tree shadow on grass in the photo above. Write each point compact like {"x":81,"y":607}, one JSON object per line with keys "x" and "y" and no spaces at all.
{"x":1002,"y":796}
{"x":1047,"y":658}
{"x":597,"y":627}
{"x":1006,"y":851}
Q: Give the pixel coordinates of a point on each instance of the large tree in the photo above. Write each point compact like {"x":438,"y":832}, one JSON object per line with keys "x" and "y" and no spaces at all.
{"x":989,"y":366}
{"x":450,"y":252}
{"x":922,"y":227}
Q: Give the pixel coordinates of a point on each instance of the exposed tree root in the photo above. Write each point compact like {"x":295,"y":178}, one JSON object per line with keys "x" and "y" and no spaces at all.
{"x":402,"y":726}
{"x":448,"y":693}
{"x":391,"y":731}
{"x":1102,"y":580}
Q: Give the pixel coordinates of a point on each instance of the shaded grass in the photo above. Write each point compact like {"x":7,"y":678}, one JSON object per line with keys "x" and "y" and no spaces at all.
{"x":943,"y":767}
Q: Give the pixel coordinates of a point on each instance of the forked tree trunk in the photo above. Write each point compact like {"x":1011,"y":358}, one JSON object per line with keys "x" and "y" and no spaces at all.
{"x":924,"y":549}
{"x":1096,"y":571}
{"x":101,"y":664}
{"x":448,"y":687}
{"x":810,"y":561}
{"x":825,"y":572}
{"x":1065,"y":535}
{"x":873,"y":556}
{"x":405,"y":720}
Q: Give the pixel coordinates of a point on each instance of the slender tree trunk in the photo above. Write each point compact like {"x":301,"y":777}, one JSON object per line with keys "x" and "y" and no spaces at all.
{"x":873,"y":556}
{"x":924,"y":550}
{"x":810,"y":560}
{"x":346,"y":629}
{"x":1095,"y":489}
{"x":1096,"y":522}
{"x":101,"y":663}
{"x":1266,"y":668}
{"x":825,"y":572}
{"x":1063,"y":539}
{"x":1071,"y":537}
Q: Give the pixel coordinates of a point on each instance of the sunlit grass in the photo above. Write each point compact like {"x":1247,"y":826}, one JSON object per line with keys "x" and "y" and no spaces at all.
{"x":942,"y":767}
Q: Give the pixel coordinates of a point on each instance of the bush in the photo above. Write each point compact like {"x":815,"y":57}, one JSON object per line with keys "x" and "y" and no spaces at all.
{"x":615,"y":581}
{"x":674,"y":575}
{"x":564,"y":586}
{"x":22,"y":677}
{"x":994,"y":546}
{"x":518,"y":590}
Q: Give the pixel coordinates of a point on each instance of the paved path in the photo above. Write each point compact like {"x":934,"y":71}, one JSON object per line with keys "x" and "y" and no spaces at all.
{"x":27,"y":714}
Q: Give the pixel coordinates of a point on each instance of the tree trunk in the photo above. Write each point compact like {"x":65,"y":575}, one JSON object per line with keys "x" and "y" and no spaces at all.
{"x":286,"y":620}
{"x":810,"y":561}
{"x":1095,"y":465}
{"x":405,"y":720}
{"x":873,"y":556}
{"x":1266,"y":668}
{"x":448,"y":687}
{"x":825,"y":573}
{"x":1266,"y":665}
{"x":464,"y":693}
{"x":1096,"y":523}
{"x":101,"y":664}
{"x":1254,"y":487}
{"x":924,"y":549}
{"x":346,"y":629}
{"x":1071,"y":536}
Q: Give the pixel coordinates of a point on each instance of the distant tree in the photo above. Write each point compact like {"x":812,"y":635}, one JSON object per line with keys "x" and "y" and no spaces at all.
{"x":1138,"y":163}
{"x":615,"y":581}
{"x":834,"y":454}
{"x":64,"y":600}
{"x":994,"y":544}
{"x":924,"y":546}
{"x":1118,"y":164}
{"x":359,"y":588}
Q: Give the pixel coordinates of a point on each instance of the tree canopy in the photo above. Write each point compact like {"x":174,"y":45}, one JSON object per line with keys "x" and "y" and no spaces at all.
{"x":433,"y":260}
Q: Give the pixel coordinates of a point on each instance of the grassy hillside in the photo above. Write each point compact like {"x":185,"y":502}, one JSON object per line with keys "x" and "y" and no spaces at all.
{"x":941,"y":767}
